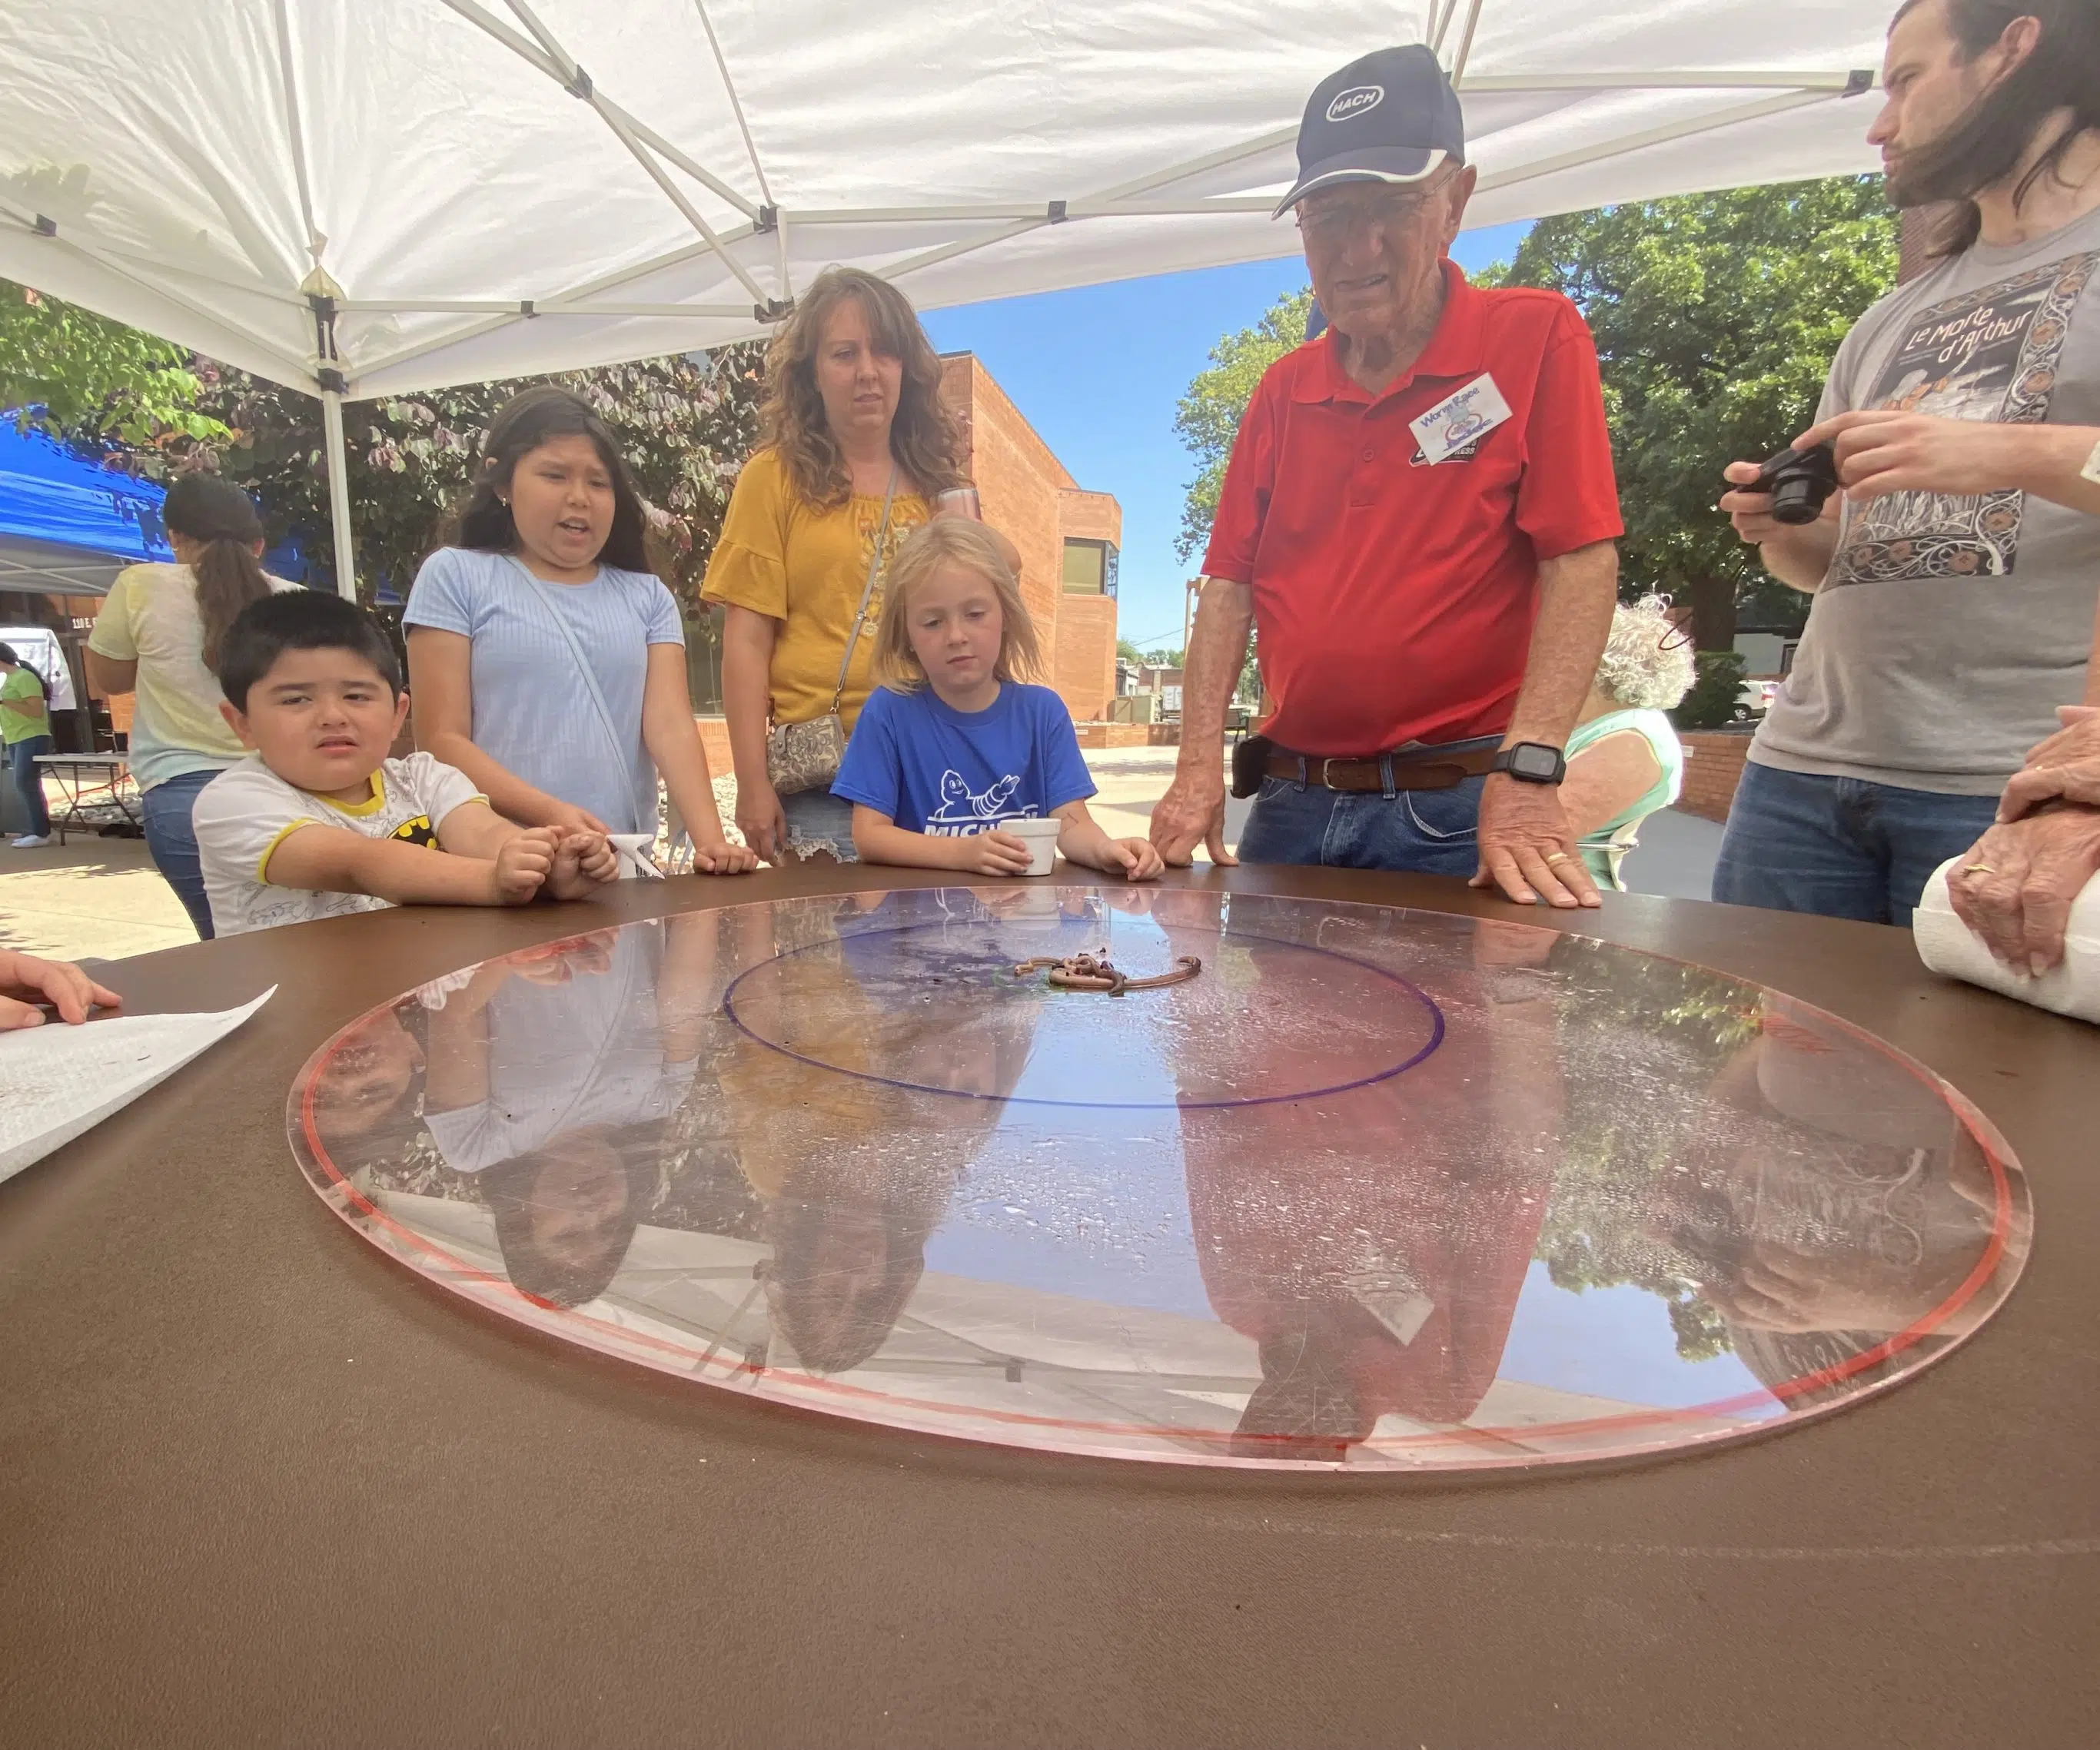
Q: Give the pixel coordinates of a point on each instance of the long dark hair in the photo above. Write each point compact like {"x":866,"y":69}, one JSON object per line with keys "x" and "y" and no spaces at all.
{"x":1986,"y":145}
{"x":521,"y":426}
{"x":221,"y":519}
{"x":923,"y":435}
{"x":7,"y":655}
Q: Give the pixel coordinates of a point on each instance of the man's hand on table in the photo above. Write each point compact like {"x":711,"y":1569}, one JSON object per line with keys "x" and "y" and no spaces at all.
{"x":2015,"y":888}
{"x":1192,"y":813}
{"x":26,"y":981}
{"x":1527,"y":847}
{"x":2066,"y":766}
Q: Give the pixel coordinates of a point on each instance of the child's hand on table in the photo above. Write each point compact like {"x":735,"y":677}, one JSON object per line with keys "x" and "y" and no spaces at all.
{"x":719,"y":856}
{"x":582,"y":859}
{"x":1134,"y":859}
{"x":992,"y":853}
{"x":522,"y":864}
{"x":25,"y":982}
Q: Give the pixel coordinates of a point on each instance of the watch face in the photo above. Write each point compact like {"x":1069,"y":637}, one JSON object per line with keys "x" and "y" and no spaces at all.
{"x":1541,"y":765}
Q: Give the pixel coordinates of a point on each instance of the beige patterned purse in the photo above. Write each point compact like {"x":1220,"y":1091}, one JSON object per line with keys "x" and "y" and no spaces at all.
{"x":805,"y":755}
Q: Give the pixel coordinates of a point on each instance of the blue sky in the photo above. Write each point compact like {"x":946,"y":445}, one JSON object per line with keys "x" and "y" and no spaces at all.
{"x":1098,"y":371}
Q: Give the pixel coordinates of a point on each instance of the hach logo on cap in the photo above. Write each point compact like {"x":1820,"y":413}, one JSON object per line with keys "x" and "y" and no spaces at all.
{"x":1355,"y":101}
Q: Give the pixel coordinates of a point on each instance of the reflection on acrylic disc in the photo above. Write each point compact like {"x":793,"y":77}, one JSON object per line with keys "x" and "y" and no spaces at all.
{"x":1373,"y":1189}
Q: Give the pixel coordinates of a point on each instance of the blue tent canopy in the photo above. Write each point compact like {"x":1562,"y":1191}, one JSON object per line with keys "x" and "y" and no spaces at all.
{"x":67,"y":523}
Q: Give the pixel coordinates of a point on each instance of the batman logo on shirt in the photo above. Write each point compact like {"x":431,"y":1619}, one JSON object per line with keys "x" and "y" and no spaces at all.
{"x":416,"y":831}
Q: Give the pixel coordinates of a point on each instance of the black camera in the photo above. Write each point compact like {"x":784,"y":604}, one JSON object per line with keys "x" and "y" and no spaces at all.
{"x":1800,"y":482}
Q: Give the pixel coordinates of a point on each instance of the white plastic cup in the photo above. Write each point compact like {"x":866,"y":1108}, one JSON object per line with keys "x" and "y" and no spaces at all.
{"x":1040,"y":836}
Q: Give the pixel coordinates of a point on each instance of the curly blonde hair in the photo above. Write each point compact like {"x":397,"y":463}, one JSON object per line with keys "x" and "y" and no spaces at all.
{"x":923,"y":437}
{"x":1647,"y":664}
{"x":951,"y":540}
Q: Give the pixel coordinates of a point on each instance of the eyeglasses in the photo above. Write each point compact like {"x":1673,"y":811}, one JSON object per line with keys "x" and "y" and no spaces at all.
{"x":1387,"y":210}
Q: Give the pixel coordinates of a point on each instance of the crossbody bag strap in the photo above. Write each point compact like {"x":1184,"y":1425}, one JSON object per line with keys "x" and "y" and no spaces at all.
{"x":622,"y":757}
{"x":866,"y":593}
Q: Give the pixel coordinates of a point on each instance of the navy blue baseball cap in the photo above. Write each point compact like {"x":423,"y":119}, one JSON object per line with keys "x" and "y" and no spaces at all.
{"x":1389,"y":118}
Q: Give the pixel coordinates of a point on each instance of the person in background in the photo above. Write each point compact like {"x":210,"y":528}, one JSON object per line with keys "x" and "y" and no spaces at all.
{"x":1417,"y":522}
{"x":858,"y":451}
{"x":158,"y":635}
{"x":320,"y":822}
{"x":545,"y":660}
{"x":25,"y":720}
{"x":953,"y":743}
{"x":1624,"y":760}
{"x":1954,"y":580}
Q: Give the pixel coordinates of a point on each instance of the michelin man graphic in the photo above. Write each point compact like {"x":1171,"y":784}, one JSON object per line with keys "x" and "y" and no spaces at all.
{"x":964,"y":812}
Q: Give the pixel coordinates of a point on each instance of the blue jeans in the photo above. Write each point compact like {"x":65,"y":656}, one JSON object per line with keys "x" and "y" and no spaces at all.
{"x":173,"y":842}
{"x":1411,"y":831}
{"x":817,"y":821}
{"x":1842,"y":847}
{"x":29,"y":780}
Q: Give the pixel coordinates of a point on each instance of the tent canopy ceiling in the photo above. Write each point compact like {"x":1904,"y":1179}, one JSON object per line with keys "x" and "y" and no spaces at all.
{"x":494,"y":187}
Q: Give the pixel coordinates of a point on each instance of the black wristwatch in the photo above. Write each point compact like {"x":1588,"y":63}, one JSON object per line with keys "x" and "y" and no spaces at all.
{"x":1532,"y":762}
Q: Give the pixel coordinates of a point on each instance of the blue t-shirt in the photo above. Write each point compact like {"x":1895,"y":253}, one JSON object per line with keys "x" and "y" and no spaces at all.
{"x":948,"y":773}
{"x":533,"y":714}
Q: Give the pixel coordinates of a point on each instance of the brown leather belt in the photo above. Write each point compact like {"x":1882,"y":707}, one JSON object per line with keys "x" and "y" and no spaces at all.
{"x":1413,"y":769}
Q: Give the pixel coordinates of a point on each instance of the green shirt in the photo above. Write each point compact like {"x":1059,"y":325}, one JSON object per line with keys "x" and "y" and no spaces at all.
{"x":22,"y":684}
{"x":1605,"y":848}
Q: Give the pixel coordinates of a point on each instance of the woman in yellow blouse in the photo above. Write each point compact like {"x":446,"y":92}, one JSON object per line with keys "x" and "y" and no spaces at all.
{"x":858,"y":451}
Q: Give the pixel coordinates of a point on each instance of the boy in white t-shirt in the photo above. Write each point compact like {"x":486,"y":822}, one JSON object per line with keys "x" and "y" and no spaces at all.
{"x":312,"y":687}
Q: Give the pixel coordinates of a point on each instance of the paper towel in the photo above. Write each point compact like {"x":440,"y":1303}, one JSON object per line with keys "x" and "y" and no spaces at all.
{"x":1947,"y":945}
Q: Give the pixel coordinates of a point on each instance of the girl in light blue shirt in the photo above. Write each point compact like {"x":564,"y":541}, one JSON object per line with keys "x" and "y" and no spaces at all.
{"x":545,"y":660}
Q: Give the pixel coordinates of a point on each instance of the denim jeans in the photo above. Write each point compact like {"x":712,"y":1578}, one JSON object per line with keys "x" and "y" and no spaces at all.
{"x":29,"y":780}
{"x":818,"y":822}
{"x":1842,"y":847}
{"x":1413,"y":831}
{"x":173,"y":842}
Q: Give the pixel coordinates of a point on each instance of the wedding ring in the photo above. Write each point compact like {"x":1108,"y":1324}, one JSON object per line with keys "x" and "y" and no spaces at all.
{"x":1558,"y":856}
{"x":1979,"y":869}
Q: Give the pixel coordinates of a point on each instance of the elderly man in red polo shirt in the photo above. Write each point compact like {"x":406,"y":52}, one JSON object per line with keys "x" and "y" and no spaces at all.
{"x":1417,"y":522}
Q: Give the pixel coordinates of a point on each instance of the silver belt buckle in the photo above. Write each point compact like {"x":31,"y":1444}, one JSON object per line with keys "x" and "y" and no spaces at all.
{"x":1326,"y":780}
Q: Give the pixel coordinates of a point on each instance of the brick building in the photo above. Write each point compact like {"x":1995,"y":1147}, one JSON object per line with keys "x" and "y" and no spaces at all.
{"x":1069,"y":539}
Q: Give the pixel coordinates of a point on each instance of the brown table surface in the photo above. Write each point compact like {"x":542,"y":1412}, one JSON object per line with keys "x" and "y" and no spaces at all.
{"x":259,"y":1484}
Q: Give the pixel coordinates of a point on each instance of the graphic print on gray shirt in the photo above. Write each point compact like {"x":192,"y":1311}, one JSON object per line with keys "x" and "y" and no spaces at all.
{"x":1950,"y":626}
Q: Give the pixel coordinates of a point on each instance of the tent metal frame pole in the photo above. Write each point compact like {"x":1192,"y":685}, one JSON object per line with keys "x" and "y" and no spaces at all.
{"x":1465,"y":41}
{"x":330,"y":384}
{"x":295,"y":130}
{"x":338,"y":456}
{"x":296,"y":373}
{"x":948,"y":252}
{"x":571,"y":76}
{"x":736,"y":106}
{"x":1621,"y":145}
{"x":578,"y":82}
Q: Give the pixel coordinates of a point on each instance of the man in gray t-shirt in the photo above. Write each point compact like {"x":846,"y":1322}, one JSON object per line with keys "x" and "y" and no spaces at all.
{"x":1955,"y":578}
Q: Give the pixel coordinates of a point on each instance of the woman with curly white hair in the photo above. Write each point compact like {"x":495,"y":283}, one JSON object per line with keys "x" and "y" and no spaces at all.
{"x":1624,"y":760}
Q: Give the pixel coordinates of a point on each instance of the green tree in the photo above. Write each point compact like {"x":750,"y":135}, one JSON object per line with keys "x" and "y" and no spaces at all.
{"x":1208,"y":418}
{"x":685,"y":424}
{"x":1129,"y":652}
{"x":1715,"y":317}
{"x":79,"y":375}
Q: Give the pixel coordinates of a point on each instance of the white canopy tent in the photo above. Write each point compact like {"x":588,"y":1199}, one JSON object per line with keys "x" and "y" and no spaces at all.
{"x":368,"y":198}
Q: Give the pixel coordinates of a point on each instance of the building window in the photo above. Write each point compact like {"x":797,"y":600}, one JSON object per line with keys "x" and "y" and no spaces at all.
{"x":1090,"y":568}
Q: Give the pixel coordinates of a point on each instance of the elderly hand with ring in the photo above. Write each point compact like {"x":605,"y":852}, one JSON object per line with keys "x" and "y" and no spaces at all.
{"x":2014,"y":889}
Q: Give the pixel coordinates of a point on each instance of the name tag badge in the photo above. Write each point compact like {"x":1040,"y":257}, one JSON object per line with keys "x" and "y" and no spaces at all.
{"x":1460,"y":420}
